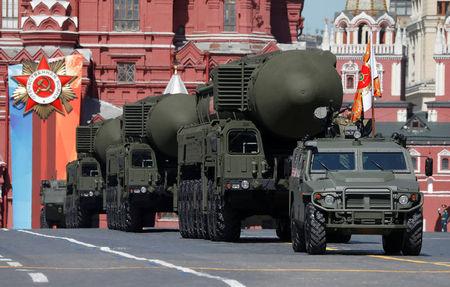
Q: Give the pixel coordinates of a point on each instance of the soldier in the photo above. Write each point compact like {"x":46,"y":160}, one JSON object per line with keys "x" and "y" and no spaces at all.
{"x":443,"y":212}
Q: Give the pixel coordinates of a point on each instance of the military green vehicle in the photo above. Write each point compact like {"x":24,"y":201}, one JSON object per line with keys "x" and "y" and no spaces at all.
{"x":53,"y":193}
{"x":237,"y":161}
{"x":84,"y":193}
{"x":344,"y":186}
{"x":85,"y":177}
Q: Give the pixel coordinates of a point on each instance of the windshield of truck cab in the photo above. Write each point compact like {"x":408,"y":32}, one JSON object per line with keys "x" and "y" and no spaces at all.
{"x":89,"y":169}
{"x":243,"y":142}
{"x":324,"y":161}
{"x":141,"y":159}
{"x":383,"y":161}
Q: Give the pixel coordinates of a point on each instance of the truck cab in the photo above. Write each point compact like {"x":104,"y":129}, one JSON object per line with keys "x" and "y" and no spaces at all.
{"x":341,"y":187}
{"x":84,"y":195}
{"x":224,"y":177}
{"x":134,"y":187}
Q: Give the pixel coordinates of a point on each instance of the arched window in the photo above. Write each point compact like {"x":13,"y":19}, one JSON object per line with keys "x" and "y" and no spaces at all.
{"x":126,"y":15}
{"x":383,"y":35}
{"x":363,"y":34}
{"x":350,"y":77}
{"x":229,"y":15}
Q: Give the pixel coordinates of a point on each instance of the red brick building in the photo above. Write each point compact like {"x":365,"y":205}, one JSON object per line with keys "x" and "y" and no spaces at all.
{"x":131,"y":46}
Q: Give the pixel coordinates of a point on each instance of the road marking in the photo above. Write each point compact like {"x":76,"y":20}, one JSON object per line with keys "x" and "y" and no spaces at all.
{"x":229,"y":282}
{"x":14,"y":264}
{"x":38,"y":277}
{"x":5,"y":229}
{"x":5,"y":259}
{"x":409,"y":260}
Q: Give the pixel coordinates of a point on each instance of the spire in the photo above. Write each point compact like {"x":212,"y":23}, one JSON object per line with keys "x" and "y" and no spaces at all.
{"x":398,"y":46}
{"x":175,"y":85}
{"x":326,"y":38}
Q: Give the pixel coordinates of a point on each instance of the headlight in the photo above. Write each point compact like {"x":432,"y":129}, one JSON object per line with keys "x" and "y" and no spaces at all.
{"x":329,"y":199}
{"x":91,"y":193}
{"x":403,"y":199}
{"x":143,"y":189}
{"x":245,"y":184}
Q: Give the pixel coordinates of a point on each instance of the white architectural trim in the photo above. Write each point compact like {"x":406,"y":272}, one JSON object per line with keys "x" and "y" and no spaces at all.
{"x":350,"y":68}
{"x":396,"y":79}
{"x":130,"y":46}
{"x":361,"y":17}
{"x":49,"y":3}
{"x":416,"y":154}
{"x":440,"y":79}
{"x":443,"y":153}
{"x":38,"y":19}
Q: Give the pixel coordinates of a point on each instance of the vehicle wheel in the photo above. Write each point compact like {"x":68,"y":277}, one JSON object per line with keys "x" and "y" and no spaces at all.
{"x":190,"y":209}
{"x":95,"y":220}
{"x":392,"y":243}
{"x":83,"y":217}
{"x":315,"y":233}
{"x":210,"y":215}
{"x":44,"y":223}
{"x":133,"y":220}
{"x":284,"y":229}
{"x":108,"y":217}
{"x":297,"y":235}
{"x":182,"y":210}
{"x":227,"y":224}
{"x":412,"y":239}
{"x":202,"y":228}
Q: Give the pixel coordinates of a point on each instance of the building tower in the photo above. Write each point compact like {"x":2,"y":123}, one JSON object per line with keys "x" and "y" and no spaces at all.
{"x":351,"y":30}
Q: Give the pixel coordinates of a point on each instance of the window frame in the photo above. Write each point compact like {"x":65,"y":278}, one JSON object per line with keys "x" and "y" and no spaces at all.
{"x":407,"y":170}
{"x":124,"y":17}
{"x":229,"y":23}
{"x":258,"y":141}
{"x":355,"y":161}
{"x":119,"y":70}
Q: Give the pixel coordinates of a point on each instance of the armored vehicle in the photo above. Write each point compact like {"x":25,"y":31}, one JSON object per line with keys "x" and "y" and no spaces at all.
{"x":53,"y":193}
{"x":236,"y":162}
{"x":341,"y":187}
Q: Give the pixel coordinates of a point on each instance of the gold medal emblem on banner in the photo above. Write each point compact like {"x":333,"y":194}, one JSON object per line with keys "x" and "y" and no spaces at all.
{"x":44,"y":87}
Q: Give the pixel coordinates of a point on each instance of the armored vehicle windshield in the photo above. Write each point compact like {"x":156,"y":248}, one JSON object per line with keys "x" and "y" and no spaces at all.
{"x":384,"y":161}
{"x":322,"y":161}
{"x":242,"y":142}
{"x":141,"y":159}
{"x":89,"y":169}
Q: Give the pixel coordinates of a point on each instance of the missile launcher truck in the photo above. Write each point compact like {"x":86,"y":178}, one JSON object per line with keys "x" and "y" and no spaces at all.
{"x":141,"y":171}
{"x":236,"y":161}
{"x":85,"y":178}
{"x":350,"y":185}
{"x":53,"y":193}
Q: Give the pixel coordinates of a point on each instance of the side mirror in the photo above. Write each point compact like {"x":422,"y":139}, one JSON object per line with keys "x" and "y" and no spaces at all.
{"x":429,"y":167}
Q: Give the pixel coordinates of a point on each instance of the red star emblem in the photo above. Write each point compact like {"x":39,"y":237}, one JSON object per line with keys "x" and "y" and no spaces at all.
{"x":44,"y":87}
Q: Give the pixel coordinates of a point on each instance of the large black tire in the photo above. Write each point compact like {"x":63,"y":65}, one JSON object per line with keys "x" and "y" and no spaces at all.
{"x":182,"y":210}
{"x":283,"y":229}
{"x":44,"y":223}
{"x":109,"y":217}
{"x":84,"y":217}
{"x":210,"y":215}
{"x":202,"y":219}
{"x":412,"y":239}
{"x":298,"y":237}
{"x":133,"y":218}
{"x":315,"y":232}
{"x":393,"y":242}
{"x":196,"y":188}
{"x":227,"y":224}
{"x":191,"y":210}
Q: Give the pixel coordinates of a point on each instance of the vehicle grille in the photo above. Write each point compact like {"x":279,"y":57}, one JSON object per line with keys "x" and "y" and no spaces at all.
{"x":368,"y":199}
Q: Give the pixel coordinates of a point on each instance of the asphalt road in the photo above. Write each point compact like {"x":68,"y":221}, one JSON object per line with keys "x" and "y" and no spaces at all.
{"x":96,"y":257}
